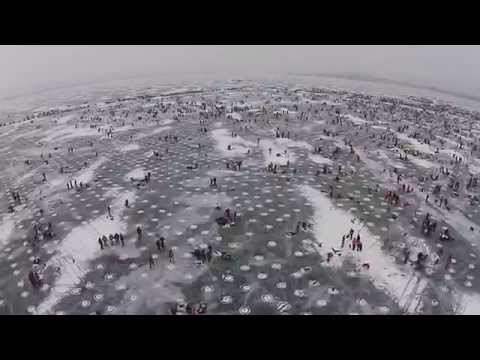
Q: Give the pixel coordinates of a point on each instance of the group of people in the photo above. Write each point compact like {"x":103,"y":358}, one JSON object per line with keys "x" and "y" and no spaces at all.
{"x":42,"y":232}
{"x":355,"y":242}
{"x":392,"y":198}
{"x":472,"y":182}
{"x":228,"y":217}
{"x":72,"y":184}
{"x":234,"y":165}
{"x":300,"y":225}
{"x":188,"y":308}
{"x":213,"y":181}
{"x":429,"y":225}
{"x":282,"y":134}
{"x":35,"y":275}
{"x":171,"y":257}
{"x":272,"y":168}
{"x":111,"y":241}
{"x":203,"y":255}
{"x":171,"y":138}
{"x":16,"y":197}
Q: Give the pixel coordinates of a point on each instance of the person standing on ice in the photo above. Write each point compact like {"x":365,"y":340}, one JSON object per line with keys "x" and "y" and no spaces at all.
{"x":101,"y":243}
{"x":104,"y":241}
{"x":139,"y":233}
{"x":109,"y":211}
{"x":209,"y":253}
{"x":171,"y":256}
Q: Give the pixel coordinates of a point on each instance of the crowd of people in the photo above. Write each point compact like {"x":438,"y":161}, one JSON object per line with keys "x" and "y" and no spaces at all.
{"x":111,"y":241}
{"x":387,"y":138}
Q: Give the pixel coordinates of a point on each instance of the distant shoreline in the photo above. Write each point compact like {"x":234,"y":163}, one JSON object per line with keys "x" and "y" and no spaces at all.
{"x":372,"y":79}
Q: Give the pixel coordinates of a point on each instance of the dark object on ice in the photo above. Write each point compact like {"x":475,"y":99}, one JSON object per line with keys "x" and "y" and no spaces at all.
{"x":226,"y":256}
{"x":34,"y":279}
{"x":445,"y":235}
{"x":420,"y":259}
{"x":221,"y":221}
{"x":202,"y":308}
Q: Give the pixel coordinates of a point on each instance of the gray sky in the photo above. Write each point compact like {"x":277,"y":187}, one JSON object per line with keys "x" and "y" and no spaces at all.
{"x":27,"y":69}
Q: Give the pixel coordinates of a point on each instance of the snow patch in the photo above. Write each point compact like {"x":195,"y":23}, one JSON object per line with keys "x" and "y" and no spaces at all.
{"x":415,"y":143}
{"x":6,"y":229}
{"x":319,"y":159}
{"x":331,"y":223}
{"x":239,"y":146}
{"x":129,"y":147}
{"x":355,"y":119}
{"x":79,"y":248}
{"x":423,"y":163}
{"x":137,"y":174}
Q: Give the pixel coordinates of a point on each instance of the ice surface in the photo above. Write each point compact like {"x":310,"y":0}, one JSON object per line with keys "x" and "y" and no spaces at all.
{"x":267,"y":247}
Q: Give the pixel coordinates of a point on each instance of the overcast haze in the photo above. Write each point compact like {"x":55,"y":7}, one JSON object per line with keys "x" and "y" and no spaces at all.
{"x":28,"y":69}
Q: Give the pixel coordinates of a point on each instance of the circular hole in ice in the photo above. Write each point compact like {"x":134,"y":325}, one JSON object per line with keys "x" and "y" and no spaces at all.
{"x":227,"y":299}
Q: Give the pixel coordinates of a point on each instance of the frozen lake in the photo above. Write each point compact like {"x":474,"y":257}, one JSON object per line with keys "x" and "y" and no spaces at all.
{"x":254,"y":189}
